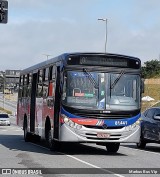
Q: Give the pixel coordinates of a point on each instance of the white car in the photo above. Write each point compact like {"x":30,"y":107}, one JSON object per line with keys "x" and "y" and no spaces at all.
{"x":4,"y":119}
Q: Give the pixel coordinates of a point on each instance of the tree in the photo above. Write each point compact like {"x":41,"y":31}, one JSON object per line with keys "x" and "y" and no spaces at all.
{"x":151,"y":69}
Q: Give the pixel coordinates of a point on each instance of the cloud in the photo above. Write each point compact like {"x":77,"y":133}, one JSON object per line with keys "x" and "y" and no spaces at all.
{"x":57,"y":26}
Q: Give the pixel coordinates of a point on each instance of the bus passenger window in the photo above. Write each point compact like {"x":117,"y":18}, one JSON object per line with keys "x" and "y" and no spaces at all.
{"x":40,"y":90}
{"x":40,"y":73}
{"x":46,"y":74}
{"x":25,"y":91}
{"x":20,"y":92}
{"x":45,"y":89}
{"x":29,"y":91}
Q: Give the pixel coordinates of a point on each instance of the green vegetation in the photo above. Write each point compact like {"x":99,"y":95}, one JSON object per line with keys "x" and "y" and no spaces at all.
{"x":151,"y":69}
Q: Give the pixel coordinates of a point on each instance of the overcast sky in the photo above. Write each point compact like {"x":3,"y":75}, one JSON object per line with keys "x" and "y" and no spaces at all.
{"x":53,"y":27}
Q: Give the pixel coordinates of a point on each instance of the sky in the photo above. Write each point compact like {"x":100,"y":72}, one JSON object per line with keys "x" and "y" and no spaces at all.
{"x":37,"y":28}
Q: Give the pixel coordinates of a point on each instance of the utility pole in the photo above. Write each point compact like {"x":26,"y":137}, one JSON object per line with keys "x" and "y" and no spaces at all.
{"x":47,"y":55}
{"x":3,"y":90}
{"x":105,"y":20}
{"x":3,"y":11}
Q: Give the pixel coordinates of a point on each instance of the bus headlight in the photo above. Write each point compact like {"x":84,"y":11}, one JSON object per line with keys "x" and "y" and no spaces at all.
{"x":66,"y":120}
{"x":130,"y":127}
{"x":70,"y":123}
{"x":136,"y":123}
{"x":78,"y":126}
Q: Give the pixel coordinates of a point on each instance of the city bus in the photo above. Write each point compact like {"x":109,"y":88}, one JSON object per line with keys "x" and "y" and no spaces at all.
{"x":83,"y":98}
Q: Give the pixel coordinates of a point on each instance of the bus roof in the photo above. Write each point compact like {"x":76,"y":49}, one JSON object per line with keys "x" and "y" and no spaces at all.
{"x":62,"y":57}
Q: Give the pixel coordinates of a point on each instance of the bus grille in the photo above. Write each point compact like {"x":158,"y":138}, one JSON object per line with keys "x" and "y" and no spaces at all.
{"x":101,"y":127}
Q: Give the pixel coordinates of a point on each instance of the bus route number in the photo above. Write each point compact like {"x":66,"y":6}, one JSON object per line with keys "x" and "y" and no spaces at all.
{"x":121,"y":123}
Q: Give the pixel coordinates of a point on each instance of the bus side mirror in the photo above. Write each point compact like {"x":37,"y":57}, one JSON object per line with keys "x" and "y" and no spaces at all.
{"x":142,"y":85}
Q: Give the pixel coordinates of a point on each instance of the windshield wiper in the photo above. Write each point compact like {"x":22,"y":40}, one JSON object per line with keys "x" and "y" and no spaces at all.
{"x":91,"y":78}
{"x":116,"y":80}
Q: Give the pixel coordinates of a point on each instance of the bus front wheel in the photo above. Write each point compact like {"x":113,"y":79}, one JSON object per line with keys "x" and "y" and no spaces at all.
{"x":26,"y":134}
{"x":52,"y":144}
{"x":141,"y":144}
{"x":112,"y":147}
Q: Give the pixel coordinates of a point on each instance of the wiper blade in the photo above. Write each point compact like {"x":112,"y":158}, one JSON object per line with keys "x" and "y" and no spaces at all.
{"x":89,"y":75}
{"x":116,"y":80}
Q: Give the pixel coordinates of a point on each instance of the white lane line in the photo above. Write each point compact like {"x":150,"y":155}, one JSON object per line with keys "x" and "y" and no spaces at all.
{"x":82,"y":161}
{"x":146,"y":151}
{"x":18,"y":130}
{"x":8,"y":130}
{"x":94,"y":166}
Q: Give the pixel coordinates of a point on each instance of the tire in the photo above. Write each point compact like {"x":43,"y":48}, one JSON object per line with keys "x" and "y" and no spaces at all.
{"x":51,"y":144}
{"x":26,"y":134}
{"x":112,"y":147}
{"x":141,"y":144}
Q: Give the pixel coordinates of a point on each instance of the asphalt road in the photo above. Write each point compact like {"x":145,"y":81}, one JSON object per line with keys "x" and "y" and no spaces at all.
{"x":15,"y":153}
{"x":74,"y":160}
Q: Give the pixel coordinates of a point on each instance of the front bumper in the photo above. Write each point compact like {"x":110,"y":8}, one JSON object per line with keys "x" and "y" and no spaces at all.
{"x":2,"y":123}
{"x":90,"y":134}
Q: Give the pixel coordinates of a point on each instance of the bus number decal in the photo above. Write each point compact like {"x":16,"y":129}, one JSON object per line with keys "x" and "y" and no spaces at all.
{"x":121,"y":123}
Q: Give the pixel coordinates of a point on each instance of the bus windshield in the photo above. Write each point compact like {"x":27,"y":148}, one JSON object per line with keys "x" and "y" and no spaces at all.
{"x":101,"y":91}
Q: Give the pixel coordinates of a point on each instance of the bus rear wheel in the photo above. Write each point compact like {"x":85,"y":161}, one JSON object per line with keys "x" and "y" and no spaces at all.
{"x":112,"y":147}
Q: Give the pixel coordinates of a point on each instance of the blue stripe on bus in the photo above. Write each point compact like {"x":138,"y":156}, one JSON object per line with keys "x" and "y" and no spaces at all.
{"x":108,"y":122}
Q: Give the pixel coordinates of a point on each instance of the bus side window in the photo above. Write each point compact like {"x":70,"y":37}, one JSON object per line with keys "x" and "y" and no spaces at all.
{"x":29,"y":85}
{"x":20,"y":92}
{"x":40,"y":83}
{"x":45,"y":81}
{"x":45,"y":89}
{"x":46,"y":75}
{"x":20,"y":87}
{"x":40,"y":76}
{"x":51,"y":76}
{"x":39,"y":90}
{"x":24,"y":86}
{"x":24,"y":91}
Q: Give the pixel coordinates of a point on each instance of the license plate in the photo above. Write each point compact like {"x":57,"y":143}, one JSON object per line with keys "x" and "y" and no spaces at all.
{"x":103,"y":135}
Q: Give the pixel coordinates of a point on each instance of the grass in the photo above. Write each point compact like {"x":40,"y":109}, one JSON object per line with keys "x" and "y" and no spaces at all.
{"x":152,"y":90}
{"x":5,"y":110}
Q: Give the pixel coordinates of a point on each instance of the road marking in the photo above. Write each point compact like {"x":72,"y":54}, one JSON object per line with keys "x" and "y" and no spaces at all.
{"x":94,"y":166}
{"x":18,"y":130}
{"x":10,"y":129}
{"x":82,"y":161}
{"x":142,"y":150}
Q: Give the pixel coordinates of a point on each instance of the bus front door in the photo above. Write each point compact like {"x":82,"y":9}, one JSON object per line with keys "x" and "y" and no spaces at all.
{"x":57,"y":105}
{"x":33,"y":103}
